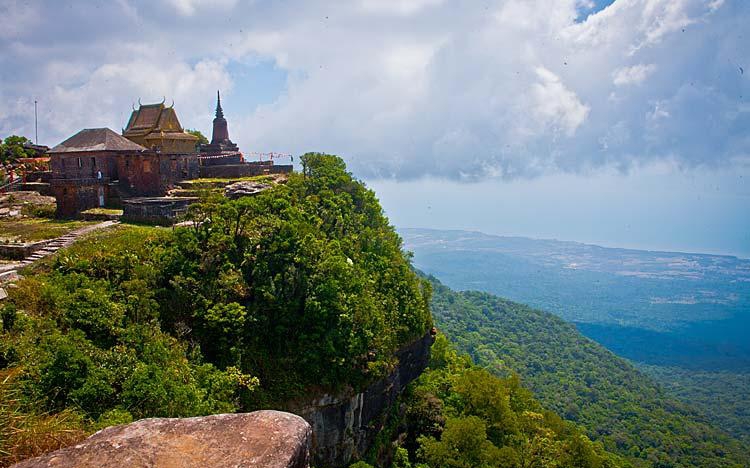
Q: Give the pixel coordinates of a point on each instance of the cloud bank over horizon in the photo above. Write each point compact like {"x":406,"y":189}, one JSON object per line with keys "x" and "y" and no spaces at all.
{"x":402,"y":88}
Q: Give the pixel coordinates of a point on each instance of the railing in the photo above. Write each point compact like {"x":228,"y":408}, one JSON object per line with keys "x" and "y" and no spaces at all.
{"x":80,"y":181}
{"x":11,"y":186}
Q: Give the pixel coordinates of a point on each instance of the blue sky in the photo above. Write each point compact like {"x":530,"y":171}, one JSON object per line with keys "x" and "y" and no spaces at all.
{"x":621,"y":122}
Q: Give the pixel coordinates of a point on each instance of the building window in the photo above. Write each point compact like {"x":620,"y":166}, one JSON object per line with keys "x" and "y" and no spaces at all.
{"x":79,"y":162}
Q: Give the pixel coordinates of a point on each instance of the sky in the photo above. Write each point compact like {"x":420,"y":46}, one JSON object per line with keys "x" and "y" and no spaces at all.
{"x":624,"y":123}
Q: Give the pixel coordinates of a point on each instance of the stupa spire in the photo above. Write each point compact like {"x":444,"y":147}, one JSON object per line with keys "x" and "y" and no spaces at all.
{"x":219,"y":111}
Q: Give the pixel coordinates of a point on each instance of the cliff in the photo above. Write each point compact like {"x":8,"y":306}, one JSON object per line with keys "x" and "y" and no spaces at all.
{"x":345,"y":425}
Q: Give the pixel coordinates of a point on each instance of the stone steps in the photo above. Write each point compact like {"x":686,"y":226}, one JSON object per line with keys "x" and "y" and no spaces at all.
{"x":63,"y":241}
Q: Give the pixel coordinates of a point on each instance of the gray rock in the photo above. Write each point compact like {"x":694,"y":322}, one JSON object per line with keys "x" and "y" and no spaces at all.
{"x":245,"y":188}
{"x":271,"y":439}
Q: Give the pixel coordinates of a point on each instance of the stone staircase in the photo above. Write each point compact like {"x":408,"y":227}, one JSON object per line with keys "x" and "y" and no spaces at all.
{"x":64,"y":241}
{"x":8,"y":273}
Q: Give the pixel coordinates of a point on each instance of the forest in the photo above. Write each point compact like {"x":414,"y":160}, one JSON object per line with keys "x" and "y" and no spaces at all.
{"x":583,"y":382}
{"x":458,"y":414}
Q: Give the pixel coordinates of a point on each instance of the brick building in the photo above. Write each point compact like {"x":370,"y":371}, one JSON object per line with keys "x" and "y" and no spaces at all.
{"x":97,"y":165}
{"x":83,"y":167}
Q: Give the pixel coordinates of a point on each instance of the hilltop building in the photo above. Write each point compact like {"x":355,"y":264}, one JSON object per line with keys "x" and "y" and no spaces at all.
{"x":96,"y":167}
{"x":157,"y":127}
{"x":83,"y":166}
{"x":221,"y":150}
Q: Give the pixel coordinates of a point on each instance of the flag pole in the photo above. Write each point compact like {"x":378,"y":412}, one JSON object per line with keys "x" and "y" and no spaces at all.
{"x":36,"y":125}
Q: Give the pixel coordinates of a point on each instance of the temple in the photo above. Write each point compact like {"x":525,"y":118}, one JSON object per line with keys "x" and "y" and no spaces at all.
{"x":156,"y":127}
{"x":142,"y":169}
{"x":221,"y":150}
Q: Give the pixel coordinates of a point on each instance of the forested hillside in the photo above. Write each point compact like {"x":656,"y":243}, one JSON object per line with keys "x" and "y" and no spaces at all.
{"x":583,"y":382}
{"x":460,"y":415}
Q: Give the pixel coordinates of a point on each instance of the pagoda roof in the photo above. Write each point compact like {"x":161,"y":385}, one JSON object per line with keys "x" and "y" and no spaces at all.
{"x":96,"y":139}
{"x":153,"y":118}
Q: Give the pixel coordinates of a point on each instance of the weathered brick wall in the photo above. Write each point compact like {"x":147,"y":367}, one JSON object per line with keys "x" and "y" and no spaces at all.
{"x":221,"y":160}
{"x":176,"y":167}
{"x":139,"y":174}
{"x":82,"y":165}
{"x":152,"y":174}
{"x":76,"y":196}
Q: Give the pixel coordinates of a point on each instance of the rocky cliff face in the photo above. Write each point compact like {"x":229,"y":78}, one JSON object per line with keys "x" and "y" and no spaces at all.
{"x":340,"y":427}
{"x":268,"y":439}
{"x":345,"y":425}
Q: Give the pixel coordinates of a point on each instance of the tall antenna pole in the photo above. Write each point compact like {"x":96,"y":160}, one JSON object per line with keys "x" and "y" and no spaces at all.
{"x":36,"y":125}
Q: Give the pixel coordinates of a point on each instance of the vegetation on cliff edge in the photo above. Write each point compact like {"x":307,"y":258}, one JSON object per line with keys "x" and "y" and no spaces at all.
{"x":304,"y":285}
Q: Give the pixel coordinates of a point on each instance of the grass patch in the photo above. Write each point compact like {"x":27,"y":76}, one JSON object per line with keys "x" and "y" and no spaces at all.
{"x":209,"y":182}
{"x":122,"y":238}
{"x":36,"y":229}
{"x":103,"y":211}
{"x":26,"y":433}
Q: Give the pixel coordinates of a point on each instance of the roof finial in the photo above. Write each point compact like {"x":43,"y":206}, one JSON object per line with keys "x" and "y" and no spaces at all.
{"x":219,"y":111}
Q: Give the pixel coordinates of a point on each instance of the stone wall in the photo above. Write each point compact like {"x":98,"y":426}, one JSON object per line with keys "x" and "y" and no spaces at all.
{"x":155,"y":210}
{"x":83,"y":165}
{"x":21,"y":251}
{"x":42,"y":188}
{"x":38,"y":176}
{"x":220,"y":159}
{"x":346,"y":425}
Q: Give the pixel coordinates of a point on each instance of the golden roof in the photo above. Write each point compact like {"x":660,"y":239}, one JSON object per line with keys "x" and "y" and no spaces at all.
{"x":156,"y":119}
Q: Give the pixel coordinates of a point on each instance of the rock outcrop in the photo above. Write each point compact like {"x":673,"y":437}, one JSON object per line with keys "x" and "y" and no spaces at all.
{"x":245,"y":188}
{"x":346,"y":425}
{"x":268,"y":439}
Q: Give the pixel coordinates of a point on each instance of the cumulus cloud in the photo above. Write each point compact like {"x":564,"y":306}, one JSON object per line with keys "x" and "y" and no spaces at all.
{"x":401,"y":88}
{"x":634,"y":75}
{"x":556,"y":105}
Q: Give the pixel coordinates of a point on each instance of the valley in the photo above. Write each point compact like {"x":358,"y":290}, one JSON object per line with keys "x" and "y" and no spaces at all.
{"x":677,"y":316}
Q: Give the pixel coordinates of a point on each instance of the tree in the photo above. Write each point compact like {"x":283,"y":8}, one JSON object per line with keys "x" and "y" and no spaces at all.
{"x":201,"y":137}
{"x":11,"y":149}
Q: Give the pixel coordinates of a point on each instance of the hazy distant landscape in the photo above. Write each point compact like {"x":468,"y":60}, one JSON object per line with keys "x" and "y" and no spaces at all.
{"x":684,"y":318}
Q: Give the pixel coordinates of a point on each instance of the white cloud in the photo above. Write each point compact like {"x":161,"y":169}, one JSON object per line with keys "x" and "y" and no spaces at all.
{"x":397,"y":7}
{"x":634,"y":75}
{"x":191,"y":7}
{"x":555,"y":105}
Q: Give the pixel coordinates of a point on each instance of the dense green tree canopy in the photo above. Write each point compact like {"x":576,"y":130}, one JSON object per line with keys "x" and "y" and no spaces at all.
{"x":258,"y":301}
{"x":582,"y":381}
{"x":459,"y":416}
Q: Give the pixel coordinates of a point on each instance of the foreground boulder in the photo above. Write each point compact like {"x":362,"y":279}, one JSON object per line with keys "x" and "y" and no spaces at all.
{"x":271,"y":439}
